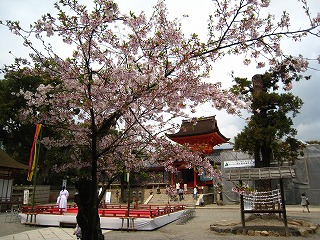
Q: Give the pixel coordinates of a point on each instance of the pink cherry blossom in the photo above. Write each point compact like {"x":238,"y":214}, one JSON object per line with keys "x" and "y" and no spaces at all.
{"x":130,"y":78}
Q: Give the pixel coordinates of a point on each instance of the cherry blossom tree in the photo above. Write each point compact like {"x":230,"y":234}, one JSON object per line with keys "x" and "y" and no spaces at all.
{"x":245,"y":28}
{"x":130,"y":76}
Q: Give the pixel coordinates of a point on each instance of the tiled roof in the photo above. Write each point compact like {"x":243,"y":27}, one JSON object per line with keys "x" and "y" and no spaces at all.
{"x":8,"y":162}
{"x":202,"y":126}
{"x":221,"y":155}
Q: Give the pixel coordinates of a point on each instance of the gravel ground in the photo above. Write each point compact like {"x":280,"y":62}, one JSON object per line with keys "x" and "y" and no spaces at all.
{"x":8,"y":228}
{"x":197,"y":228}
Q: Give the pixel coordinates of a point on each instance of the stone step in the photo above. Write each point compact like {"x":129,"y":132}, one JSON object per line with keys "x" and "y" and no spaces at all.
{"x":163,"y":199}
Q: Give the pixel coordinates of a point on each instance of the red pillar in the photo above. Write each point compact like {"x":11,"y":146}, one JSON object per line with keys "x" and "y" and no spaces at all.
{"x":194,"y":177}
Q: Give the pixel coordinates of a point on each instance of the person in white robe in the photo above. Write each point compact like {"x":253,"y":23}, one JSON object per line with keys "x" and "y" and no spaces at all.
{"x":62,"y":200}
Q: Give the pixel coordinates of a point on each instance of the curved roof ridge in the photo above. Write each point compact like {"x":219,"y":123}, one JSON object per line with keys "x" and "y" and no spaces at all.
{"x":8,"y":162}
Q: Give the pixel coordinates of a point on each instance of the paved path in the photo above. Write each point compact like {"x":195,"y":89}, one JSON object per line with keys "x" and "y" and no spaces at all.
{"x":195,"y":229}
{"x":43,"y":233}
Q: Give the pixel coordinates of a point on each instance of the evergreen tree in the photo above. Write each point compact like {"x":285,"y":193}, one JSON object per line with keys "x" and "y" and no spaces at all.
{"x":16,"y":133}
{"x":269,"y":135}
{"x":16,"y":137}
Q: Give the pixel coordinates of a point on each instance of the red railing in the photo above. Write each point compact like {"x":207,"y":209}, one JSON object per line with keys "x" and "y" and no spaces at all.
{"x":143,"y":211}
{"x":48,"y":209}
{"x":111,"y":210}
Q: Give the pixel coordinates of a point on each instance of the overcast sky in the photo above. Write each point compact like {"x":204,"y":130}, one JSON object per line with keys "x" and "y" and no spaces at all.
{"x":307,"y":123}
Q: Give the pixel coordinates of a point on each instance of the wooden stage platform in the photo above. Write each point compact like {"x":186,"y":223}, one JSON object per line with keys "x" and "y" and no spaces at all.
{"x":112,"y":216}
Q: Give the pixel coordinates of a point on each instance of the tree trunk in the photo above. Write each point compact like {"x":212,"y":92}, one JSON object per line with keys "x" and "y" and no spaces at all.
{"x":266,"y":155}
{"x":257,"y":158}
{"x":262,"y":159}
{"x":88,"y":217}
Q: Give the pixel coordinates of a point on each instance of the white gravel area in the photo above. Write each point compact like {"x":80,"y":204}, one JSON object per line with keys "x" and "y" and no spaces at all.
{"x":197,"y":228}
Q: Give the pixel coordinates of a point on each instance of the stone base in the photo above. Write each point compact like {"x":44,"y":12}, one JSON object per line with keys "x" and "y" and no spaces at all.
{"x":267,"y":226}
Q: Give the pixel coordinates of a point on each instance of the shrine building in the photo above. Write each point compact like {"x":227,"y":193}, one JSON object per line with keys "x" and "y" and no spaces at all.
{"x":201,"y":136}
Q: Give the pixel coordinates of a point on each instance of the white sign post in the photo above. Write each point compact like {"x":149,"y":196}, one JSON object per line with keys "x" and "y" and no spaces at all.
{"x":108,"y":197}
{"x":64,"y":183}
{"x":25,"y":196}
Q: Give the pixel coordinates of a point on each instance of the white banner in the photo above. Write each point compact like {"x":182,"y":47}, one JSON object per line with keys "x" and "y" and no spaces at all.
{"x":239,"y":163}
{"x":108,"y":197}
{"x":64,"y":183}
{"x":25,"y":196}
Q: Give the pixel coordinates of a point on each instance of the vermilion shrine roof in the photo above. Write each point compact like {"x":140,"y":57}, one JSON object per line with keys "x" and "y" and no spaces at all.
{"x":201,"y":135}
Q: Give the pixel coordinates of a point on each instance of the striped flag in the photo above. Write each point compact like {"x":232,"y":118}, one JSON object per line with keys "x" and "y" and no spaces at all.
{"x":34,"y":153}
